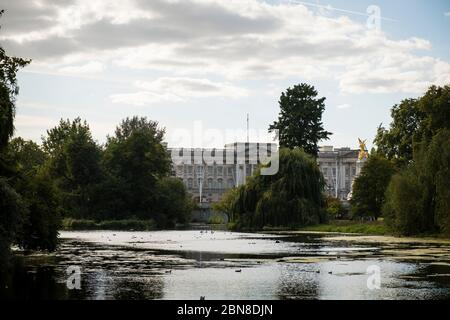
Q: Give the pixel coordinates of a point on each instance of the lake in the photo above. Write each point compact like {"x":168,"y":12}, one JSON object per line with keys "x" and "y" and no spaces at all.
{"x":231,"y":265}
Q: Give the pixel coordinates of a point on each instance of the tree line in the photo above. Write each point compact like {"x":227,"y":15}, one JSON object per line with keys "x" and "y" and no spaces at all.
{"x":417,"y":145}
{"x":406,"y":179}
{"x":71,"y":175}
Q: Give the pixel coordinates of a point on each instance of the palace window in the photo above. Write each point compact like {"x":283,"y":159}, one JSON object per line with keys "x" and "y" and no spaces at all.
{"x":210,"y":183}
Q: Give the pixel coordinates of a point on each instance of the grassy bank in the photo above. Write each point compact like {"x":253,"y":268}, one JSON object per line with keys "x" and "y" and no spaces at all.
{"x":348,"y":226}
{"x":127,"y":224}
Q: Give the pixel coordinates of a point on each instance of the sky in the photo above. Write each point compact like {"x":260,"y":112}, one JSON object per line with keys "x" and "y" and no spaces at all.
{"x":198,"y":67}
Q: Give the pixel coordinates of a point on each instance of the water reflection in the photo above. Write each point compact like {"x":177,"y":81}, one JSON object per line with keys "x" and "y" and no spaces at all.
{"x":224,"y":265}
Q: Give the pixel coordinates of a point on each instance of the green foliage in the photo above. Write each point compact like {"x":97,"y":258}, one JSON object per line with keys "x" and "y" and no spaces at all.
{"x":74,"y":165}
{"x":174,"y":203}
{"x":370,"y":186}
{"x":418,"y":198}
{"x":27,"y":155}
{"x":216,"y":218}
{"x":404,"y":210}
{"x":12,"y":212}
{"x":397,"y":143}
{"x":292,"y":197}
{"x":26,"y":199}
{"x":124,"y":224}
{"x":127,"y":179}
{"x":342,"y":226}
{"x":334,"y":208}
{"x":414,"y":121}
{"x":39,"y":230}
{"x":39,"y":224}
{"x":9,"y":66}
{"x":226,"y":204}
{"x":135,"y":161}
{"x":300,"y":120}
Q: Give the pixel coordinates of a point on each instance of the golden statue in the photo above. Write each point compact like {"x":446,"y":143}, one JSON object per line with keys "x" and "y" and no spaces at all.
{"x":363,"y":154}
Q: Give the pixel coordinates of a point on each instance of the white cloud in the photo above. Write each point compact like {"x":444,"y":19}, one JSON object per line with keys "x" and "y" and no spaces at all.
{"x":88,"y":68}
{"x":234,"y":39}
{"x":176,"y":89}
{"x":447,"y":14}
{"x":344,"y":106}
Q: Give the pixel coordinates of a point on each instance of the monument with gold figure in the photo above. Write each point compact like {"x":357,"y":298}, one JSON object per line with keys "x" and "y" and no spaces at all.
{"x":363,"y":155}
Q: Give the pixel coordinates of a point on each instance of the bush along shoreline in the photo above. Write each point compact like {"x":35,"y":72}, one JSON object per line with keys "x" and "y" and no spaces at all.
{"x":69,"y":224}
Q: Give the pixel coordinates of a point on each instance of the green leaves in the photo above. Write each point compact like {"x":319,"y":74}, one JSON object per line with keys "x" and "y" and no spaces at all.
{"x":418,"y":198}
{"x":300,"y":120}
{"x":291,"y":198}
{"x":370,"y":186}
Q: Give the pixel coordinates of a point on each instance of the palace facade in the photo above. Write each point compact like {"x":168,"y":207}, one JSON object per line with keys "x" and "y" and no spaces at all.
{"x":209,"y":173}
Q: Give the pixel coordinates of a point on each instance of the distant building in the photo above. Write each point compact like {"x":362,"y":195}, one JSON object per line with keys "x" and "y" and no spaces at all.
{"x":209,"y":173}
{"x":339,"y":167}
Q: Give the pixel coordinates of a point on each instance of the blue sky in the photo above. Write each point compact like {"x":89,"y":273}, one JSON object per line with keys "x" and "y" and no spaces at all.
{"x":198,"y":67}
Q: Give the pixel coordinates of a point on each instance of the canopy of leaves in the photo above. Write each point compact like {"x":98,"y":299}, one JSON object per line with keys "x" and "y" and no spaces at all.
{"x":8,"y":90}
{"x":370,"y":186}
{"x":414,"y":121}
{"x":397,"y":142}
{"x":291,"y":198}
{"x":74,"y":164}
{"x":418,"y":198}
{"x":300,"y":120}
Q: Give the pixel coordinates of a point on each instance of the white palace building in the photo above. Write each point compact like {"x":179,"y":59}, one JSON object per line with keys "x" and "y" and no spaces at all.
{"x":209,"y":173}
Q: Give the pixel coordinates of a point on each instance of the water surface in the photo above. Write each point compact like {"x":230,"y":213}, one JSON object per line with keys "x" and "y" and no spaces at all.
{"x":228,"y":265}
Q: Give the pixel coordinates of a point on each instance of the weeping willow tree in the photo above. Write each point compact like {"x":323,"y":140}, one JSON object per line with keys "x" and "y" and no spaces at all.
{"x":291,"y":198}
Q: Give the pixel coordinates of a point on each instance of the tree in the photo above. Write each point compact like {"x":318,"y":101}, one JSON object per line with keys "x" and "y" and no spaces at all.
{"x":74,"y":164}
{"x":435,"y":104}
{"x":335,"y":209}
{"x":414,"y":121}
{"x":300,"y":120}
{"x":12,"y":206}
{"x":9,"y":66}
{"x":38,"y":228}
{"x":227,"y":203}
{"x":418,"y":198}
{"x":291,"y":198}
{"x":174,"y":203}
{"x":27,"y":154}
{"x":12,"y":212}
{"x":136,"y":159}
{"x":397,"y":143}
{"x":370,"y":186}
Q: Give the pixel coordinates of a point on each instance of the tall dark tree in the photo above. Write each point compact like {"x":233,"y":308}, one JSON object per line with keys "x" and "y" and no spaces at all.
{"x":414,"y":121}
{"x":370,"y":186}
{"x":136,"y":159}
{"x":300,"y":120}
{"x":396,"y":143}
{"x":74,"y":164}
{"x":291,"y":198}
{"x":12,"y":206}
{"x":9,"y":66}
{"x":418,"y":200}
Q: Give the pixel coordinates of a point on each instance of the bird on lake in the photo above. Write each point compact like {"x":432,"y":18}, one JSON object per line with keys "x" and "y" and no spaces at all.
{"x":238,"y":270}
